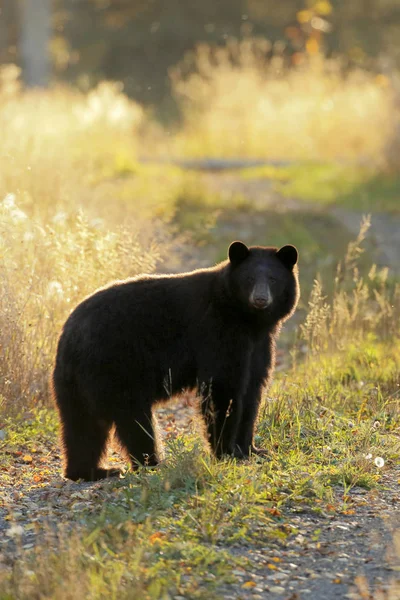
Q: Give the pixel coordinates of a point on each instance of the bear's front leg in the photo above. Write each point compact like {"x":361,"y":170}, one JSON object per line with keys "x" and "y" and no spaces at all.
{"x":260,"y":368}
{"x":244,"y":444}
{"x":222,"y":412}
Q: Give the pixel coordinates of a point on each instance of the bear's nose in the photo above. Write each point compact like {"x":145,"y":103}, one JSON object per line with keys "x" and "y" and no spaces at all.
{"x":260,"y":302}
{"x":261,"y":296}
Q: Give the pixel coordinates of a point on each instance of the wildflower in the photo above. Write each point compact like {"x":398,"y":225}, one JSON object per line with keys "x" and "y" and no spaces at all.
{"x":18,"y":215}
{"x":55,"y":289}
{"x":9,"y":201}
{"x":368,"y":456}
{"x":379,"y":462}
{"x":60,"y":218}
{"x":15,"y":531}
{"x":97,"y":223}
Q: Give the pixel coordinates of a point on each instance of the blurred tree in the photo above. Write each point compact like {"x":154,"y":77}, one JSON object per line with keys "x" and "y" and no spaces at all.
{"x":8,"y":31}
{"x":138,"y":41}
{"x":35,"y":30}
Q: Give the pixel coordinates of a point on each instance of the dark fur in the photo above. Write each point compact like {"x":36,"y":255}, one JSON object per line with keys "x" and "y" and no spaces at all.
{"x":140,"y":341}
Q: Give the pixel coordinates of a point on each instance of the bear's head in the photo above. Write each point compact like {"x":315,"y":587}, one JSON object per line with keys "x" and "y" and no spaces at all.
{"x":263,"y":280}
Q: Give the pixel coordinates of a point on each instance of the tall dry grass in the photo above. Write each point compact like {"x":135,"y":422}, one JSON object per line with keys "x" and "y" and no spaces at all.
{"x":46,"y":268}
{"x":55,"y":142}
{"x":238,"y":102}
{"x":76,"y":210}
{"x":360,"y":307}
{"x":64,"y":229}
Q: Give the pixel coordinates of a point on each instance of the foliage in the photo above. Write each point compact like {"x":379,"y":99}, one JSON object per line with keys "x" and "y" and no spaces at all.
{"x":76,"y":210}
{"x":138,"y":42}
{"x":349,"y":186}
{"x":236,"y":102}
{"x":330,"y":423}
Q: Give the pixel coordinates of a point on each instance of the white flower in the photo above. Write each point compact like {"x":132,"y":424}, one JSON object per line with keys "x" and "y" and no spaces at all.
{"x":60,"y":218}
{"x":55,"y":289}
{"x":15,"y":530}
{"x":368,"y":456}
{"x":97,"y":223}
{"x":379,"y":462}
{"x":18,"y":215}
{"x":30,"y":573}
{"x":9,"y":201}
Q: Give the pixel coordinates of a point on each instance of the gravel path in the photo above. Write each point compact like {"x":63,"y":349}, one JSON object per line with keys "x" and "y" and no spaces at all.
{"x":331,"y":556}
{"x":354,"y":555}
{"x":384,"y":232}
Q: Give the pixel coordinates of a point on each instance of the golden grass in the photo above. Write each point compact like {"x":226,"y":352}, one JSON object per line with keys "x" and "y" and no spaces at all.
{"x":76,"y":211}
{"x":53,"y":142}
{"x":76,"y":208}
{"x":68,"y":218}
{"x":360,"y":306}
{"x":236,"y":103}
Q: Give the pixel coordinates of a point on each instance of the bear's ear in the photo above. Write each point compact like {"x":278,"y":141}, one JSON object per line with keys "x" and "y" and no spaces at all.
{"x":237,"y":252}
{"x":288,"y":255}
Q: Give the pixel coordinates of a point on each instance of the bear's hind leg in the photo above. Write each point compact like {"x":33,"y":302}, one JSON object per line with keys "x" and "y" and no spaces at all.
{"x":84,"y":445}
{"x":84,"y":437}
{"x":137,"y":432}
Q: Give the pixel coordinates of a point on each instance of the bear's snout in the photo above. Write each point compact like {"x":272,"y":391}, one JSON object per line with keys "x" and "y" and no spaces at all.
{"x":261,"y":296}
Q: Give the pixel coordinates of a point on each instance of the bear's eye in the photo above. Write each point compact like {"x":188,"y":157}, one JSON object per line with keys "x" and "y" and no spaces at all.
{"x":250,"y":279}
{"x":272,"y":280}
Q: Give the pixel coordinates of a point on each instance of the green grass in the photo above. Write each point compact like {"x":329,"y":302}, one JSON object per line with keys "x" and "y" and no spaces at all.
{"x":179,"y":530}
{"x":328,"y":184}
{"x":173,"y":531}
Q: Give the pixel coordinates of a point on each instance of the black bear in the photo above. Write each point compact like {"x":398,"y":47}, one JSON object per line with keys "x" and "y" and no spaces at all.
{"x":140,"y":341}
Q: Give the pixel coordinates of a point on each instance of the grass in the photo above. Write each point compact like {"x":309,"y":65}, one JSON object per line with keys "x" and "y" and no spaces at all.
{"x":325,"y":423}
{"x":175,"y":531}
{"x":238,"y":102}
{"x":77,"y":210}
{"x":322,"y":185}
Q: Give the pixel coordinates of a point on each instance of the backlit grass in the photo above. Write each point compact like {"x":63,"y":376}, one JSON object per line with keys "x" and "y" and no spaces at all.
{"x":329,"y":423}
{"x":236,"y":102}
{"x":334,"y":185}
{"x":77,"y":210}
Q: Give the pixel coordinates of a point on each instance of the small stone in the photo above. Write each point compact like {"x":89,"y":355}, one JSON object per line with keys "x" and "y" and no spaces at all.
{"x":280,"y":576}
{"x":15,"y":531}
{"x":277,"y":589}
{"x":79,"y":506}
